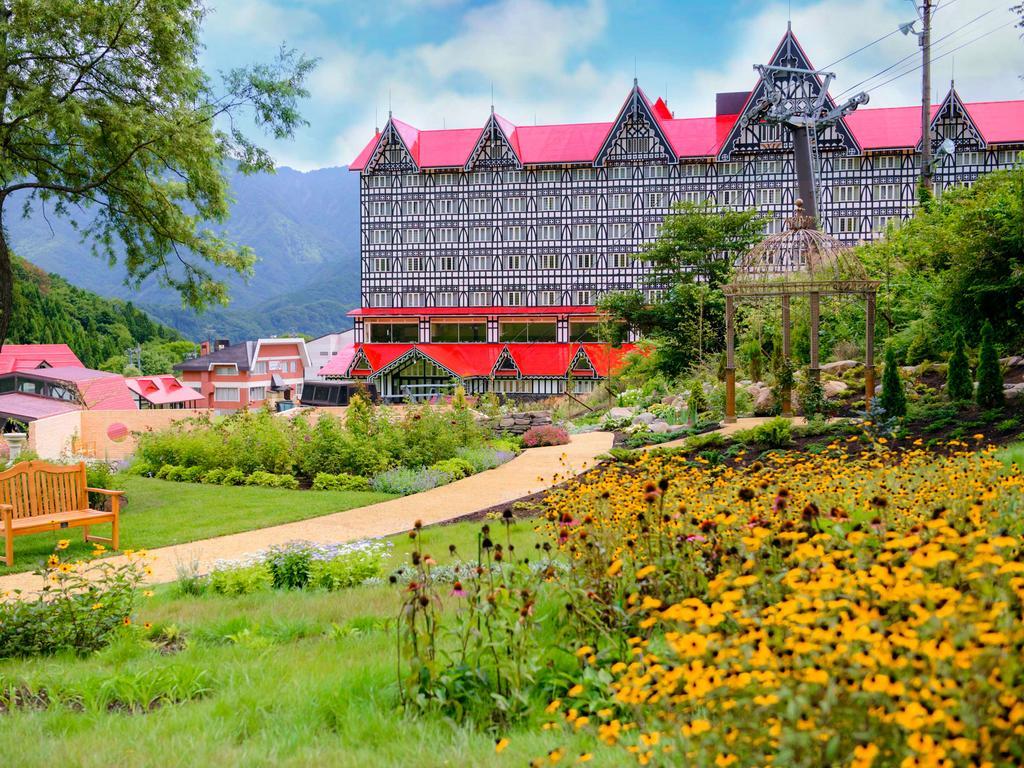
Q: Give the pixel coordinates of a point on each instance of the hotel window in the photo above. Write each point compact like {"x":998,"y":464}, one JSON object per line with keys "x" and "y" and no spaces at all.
{"x":583,"y":174}
{"x":549,"y":203}
{"x":515,"y":205}
{"x":479,"y":205}
{"x":447,"y":299}
{"x":549,"y":232}
{"x":846,"y":164}
{"x":549,"y":261}
{"x":527,"y":332}
{"x":225,"y":394}
{"x":445,"y":179}
{"x":480,"y":235}
{"x":446,"y":263}
{"x":412,"y":300}
{"x":1008,"y":156}
{"x":548,"y":176}
{"x":414,"y":236}
{"x":378,"y":181}
{"x":378,"y":265}
{"x":847,"y":225}
{"x":655,"y":200}
{"x":772,"y":226}
{"x":619,"y":260}
{"x":413,"y":180}
{"x":887,"y":162}
{"x":224,"y":370}
{"x":393,"y":333}
{"x":445,"y":206}
{"x":732,"y":196}
{"x":620,"y":231}
{"x":452,"y":333}
{"x":652,"y":229}
{"x":479,"y":262}
{"x":479,"y":298}
{"x":480,"y":177}
{"x":881,"y":223}
{"x":584,"y":261}
{"x":583,"y":202}
{"x":693,"y":196}
{"x":414,"y":264}
{"x":412,"y":207}
{"x":584,"y":298}
{"x":548,"y":298}
{"x":769,"y":196}
{"x":257,"y":393}
{"x":584,"y":331}
{"x":379,"y":237}
{"x":513,"y":299}
{"x":769,"y":166}
{"x":513,"y":177}
{"x":969,"y":158}
{"x":730,"y":169}
{"x":379,"y":208}
{"x":887,"y":192}
{"x":619,"y":201}
{"x":656,"y":171}
{"x":654,"y":295}
{"x":513,"y":261}
{"x":691,"y":170}
{"x":447,"y":235}
{"x":619,"y":172}
{"x":846,"y":194}
{"x":584,"y":232}
{"x":260,"y":368}
{"x":514,"y":234}
{"x":380,"y":300}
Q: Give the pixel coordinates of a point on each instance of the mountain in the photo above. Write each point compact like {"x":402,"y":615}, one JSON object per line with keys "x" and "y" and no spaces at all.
{"x":303,"y":227}
{"x":49,"y":310}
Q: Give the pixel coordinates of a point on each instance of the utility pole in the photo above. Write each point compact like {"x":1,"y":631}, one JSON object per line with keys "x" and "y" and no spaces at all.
{"x":925,"y":41}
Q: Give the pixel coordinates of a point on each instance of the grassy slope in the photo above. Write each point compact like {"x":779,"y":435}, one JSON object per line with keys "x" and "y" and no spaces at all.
{"x":160,"y":513}
{"x":288,"y":689}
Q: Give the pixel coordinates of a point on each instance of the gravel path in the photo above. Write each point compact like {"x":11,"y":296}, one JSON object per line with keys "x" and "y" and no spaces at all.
{"x":532,"y":471}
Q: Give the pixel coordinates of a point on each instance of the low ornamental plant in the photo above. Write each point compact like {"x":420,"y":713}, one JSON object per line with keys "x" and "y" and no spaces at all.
{"x":80,"y":607}
{"x":404,"y":481}
{"x":545,"y":434}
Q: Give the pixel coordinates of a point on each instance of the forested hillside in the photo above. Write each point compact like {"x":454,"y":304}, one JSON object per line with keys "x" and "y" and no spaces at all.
{"x":49,"y":310}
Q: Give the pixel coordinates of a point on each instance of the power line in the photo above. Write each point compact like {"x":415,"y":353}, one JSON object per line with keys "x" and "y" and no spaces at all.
{"x":915,"y":53}
{"x":862,"y":48}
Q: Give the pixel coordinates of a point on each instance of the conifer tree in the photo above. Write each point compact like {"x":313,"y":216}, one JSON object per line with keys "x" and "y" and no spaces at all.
{"x":894,"y":399}
{"x":990,"y":375}
{"x":959,"y":384}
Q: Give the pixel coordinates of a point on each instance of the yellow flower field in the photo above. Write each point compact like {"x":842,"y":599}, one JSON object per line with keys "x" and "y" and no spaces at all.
{"x":804,"y":611}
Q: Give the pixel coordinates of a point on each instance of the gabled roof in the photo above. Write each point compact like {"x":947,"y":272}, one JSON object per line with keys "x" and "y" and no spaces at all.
{"x":339,"y":364}
{"x":99,"y":390}
{"x":434,"y":312}
{"x":15,"y":357}
{"x":239,"y":355}
{"x":15,"y":405}
{"x":636,"y":105}
{"x":162,"y":390}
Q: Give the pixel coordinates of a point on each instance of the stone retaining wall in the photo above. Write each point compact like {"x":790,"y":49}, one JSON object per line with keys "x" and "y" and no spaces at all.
{"x":519,"y":423}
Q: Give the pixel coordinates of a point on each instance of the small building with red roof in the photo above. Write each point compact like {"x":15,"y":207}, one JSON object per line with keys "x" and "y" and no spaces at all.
{"x":163,"y":392}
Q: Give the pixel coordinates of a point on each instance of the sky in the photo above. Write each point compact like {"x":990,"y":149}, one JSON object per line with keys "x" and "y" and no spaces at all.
{"x":436,"y":63}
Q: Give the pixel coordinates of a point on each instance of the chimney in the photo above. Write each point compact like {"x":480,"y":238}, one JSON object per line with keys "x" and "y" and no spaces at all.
{"x":204,"y":348}
{"x":730,"y":103}
{"x":221,"y":344}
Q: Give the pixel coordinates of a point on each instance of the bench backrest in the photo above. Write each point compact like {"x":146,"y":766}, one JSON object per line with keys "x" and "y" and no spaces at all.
{"x":39,"y":488}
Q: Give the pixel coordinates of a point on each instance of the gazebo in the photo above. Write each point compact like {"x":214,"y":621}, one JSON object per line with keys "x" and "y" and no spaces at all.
{"x":799,"y":261}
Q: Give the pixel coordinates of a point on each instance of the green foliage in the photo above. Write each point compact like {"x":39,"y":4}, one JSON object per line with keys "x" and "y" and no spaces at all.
{"x":136,"y":132}
{"x":79,"y":609}
{"x":811,"y":395}
{"x":340,"y":482}
{"x":233,"y":476}
{"x":239,"y":581}
{"x":456,"y":467}
{"x":990,"y":374}
{"x":214,"y":476}
{"x":270,"y":480}
{"x":894,"y":398}
{"x":688,"y":323}
{"x":774,"y":433}
{"x":959,"y":384}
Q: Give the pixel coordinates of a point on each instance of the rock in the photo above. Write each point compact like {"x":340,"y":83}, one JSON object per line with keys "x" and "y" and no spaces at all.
{"x":667,"y":399}
{"x":754,"y":389}
{"x":621,"y":412}
{"x":834,"y":388}
{"x":643,"y":418}
{"x":1014,"y":361}
{"x":764,"y":401}
{"x":506,"y":422}
{"x":1013,"y":391}
{"x":660,"y":427}
{"x":839,"y":366}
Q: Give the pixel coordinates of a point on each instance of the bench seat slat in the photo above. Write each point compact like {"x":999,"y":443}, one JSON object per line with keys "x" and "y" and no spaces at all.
{"x":54,"y":519}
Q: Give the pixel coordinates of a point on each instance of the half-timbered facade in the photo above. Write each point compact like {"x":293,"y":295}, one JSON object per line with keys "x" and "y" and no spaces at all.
{"x":545,"y":219}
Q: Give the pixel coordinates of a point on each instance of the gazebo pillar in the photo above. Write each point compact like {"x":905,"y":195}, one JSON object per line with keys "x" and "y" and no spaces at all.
{"x":814,"y":369}
{"x":730,"y":361}
{"x":869,"y":351}
{"x":787,"y":398}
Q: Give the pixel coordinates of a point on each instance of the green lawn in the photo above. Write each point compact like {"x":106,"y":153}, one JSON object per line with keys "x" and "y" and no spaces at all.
{"x":288,"y":679}
{"x":159,"y":513}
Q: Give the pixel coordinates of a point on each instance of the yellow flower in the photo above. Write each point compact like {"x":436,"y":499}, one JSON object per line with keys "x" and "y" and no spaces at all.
{"x":615,"y":567}
{"x":148,"y":593}
{"x":723,"y":760}
{"x":499,"y":745}
{"x":553,"y":706}
{"x":63,"y":544}
{"x":576,"y":690}
{"x":646,"y":571}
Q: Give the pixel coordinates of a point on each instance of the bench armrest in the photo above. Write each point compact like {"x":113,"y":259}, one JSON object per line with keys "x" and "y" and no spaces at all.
{"x":105,"y":491}
{"x":6,"y":507}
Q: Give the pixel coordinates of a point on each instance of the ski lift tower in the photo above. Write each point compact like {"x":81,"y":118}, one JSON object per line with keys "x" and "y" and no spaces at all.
{"x":798,"y":99}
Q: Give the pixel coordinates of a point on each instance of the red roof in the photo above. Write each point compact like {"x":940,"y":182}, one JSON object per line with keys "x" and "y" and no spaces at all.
{"x":1000,"y":122}
{"x":478,"y":360}
{"x":162,"y":390}
{"x":32,"y":407}
{"x":339,"y":363}
{"x":15,"y":357}
{"x":100,"y":390}
{"x":468,"y":311}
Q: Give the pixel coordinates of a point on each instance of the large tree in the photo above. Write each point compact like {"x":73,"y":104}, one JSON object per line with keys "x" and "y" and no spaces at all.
{"x":690,"y":261}
{"x":103,"y":106}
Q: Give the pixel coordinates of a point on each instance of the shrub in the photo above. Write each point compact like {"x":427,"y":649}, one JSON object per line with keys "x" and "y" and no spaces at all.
{"x":775,"y":433}
{"x":290,"y":565}
{"x":456,"y":467}
{"x":990,"y":374}
{"x":347,"y":565}
{"x":233,"y":477}
{"x":214,"y":476}
{"x":259,"y":441}
{"x":240,"y":580}
{"x":959,"y":384}
{"x":80,"y":608}
{"x":429,"y":435}
{"x":271,"y":480}
{"x":175,"y":474}
{"x":404,"y":481}
{"x":331,"y":450}
{"x":483,"y":459}
{"x":192,"y":474}
{"x":165,"y":470}
{"x":894,"y":398}
{"x":546,"y":434}
{"x":811,"y":395}
{"x":340,"y":482}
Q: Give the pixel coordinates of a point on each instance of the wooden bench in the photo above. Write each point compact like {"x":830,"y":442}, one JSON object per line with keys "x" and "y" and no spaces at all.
{"x":36,"y":496}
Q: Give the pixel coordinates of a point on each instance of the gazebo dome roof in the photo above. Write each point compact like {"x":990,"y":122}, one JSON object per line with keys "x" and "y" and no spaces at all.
{"x":800,"y":259}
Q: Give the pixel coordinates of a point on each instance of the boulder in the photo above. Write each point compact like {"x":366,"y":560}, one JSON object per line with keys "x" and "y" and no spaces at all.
{"x":621,"y":412}
{"x":1014,"y":361}
{"x":506,"y":422}
{"x":839,"y":366}
{"x":764,"y":401}
{"x":643,"y":418}
{"x":660,"y":427}
{"x":834,"y":388}
{"x":1013,"y":391}
{"x":754,"y":389}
